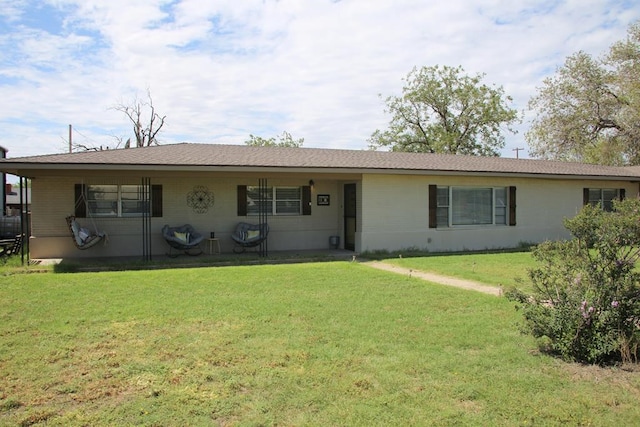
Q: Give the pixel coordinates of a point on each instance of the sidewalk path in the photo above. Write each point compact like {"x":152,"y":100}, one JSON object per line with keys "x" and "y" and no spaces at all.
{"x":436,"y":278}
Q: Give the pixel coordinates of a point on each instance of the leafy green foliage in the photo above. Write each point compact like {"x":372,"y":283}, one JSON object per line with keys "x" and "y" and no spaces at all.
{"x":442,"y":110}
{"x":586,"y":301}
{"x":284,"y":140}
{"x":589,"y":111}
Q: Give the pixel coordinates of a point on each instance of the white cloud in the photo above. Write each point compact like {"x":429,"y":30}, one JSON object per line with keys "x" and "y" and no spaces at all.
{"x":11,"y":10}
{"x":221,"y":70}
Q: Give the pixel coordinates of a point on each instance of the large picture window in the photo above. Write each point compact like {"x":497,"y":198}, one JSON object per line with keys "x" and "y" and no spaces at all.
{"x":462,"y":206}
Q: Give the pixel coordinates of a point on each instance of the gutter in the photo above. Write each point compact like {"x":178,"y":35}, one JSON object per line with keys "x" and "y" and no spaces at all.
{"x":23,"y":169}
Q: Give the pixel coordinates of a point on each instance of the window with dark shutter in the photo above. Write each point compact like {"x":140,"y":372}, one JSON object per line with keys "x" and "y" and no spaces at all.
{"x":156,"y":200}
{"x":81,"y":201}
{"x":242,"y":200}
{"x":279,"y":201}
{"x":471,"y":206}
{"x":115,"y":200}
{"x":585,"y":196}
{"x":512,"y":206}
{"x":306,"y":200}
{"x":602,"y":197}
{"x":433,"y":206}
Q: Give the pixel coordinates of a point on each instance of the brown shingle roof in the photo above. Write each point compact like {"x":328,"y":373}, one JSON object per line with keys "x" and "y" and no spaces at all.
{"x":191,"y":155}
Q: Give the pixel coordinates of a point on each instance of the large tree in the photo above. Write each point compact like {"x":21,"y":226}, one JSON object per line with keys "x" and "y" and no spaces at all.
{"x":284,"y":140}
{"x":146,"y":122}
{"x":443,"y":110}
{"x":589,"y":110}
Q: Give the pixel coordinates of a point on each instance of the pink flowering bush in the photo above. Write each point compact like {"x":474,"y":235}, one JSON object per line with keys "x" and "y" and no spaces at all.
{"x":585,"y":305}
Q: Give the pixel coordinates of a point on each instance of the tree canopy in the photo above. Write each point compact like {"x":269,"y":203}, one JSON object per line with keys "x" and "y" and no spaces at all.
{"x":284,"y":140}
{"x":443,"y":110}
{"x":590,"y":110}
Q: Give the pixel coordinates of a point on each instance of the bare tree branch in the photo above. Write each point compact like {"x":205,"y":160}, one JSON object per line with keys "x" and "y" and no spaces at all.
{"x":144,"y":131}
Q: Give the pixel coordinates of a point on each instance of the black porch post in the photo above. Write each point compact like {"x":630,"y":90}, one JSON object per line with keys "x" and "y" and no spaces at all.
{"x":25,"y":220}
{"x":146,"y":219}
{"x":263,"y":214}
{"x":3,"y":155}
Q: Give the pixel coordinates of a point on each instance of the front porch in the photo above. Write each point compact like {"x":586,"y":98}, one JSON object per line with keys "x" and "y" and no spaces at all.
{"x":72,"y":264}
{"x":301,"y":217}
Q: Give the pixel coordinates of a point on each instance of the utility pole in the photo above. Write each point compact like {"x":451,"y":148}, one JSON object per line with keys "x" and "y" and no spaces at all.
{"x":70,"y":136}
{"x":517,"y":150}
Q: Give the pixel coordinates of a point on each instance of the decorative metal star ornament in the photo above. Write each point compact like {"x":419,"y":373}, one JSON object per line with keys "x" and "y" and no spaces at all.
{"x":200,"y":199}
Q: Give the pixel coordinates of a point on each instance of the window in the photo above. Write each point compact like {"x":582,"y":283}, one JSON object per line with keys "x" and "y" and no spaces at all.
{"x":102,"y":200}
{"x":115,"y":200}
{"x":500,"y":206}
{"x":288,"y":201}
{"x":275,"y":201}
{"x":254,"y":201}
{"x":111,"y":200}
{"x":461,"y":206}
{"x":602,"y":197}
{"x":443,"y":207}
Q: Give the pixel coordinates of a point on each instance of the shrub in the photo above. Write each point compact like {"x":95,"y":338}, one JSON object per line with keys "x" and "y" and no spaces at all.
{"x":585,"y":305}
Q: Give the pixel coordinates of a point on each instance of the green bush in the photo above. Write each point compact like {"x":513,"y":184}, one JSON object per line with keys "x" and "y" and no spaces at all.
{"x":585,"y":305}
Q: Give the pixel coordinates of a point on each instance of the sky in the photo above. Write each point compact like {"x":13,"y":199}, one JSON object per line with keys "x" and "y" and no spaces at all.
{"x":223,"y":70}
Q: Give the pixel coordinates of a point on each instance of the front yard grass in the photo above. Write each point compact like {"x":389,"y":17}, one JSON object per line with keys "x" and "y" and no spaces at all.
{"x":306,"y":344}
{"x":505,"y":269}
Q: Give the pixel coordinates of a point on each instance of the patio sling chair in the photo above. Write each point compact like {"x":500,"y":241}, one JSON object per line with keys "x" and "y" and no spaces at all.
{"x":249,"y":235}
{"x":83,"y":237}
{"x":10,"y":247}
{"x":183,"y":238}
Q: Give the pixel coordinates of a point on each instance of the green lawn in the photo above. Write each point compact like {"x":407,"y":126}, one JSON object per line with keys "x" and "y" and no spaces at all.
{"x":307,"y":344}
{"x":498,"y":269}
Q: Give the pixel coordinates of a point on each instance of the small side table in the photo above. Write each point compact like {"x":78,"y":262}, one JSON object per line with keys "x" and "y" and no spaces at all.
{"x":214,"y":246}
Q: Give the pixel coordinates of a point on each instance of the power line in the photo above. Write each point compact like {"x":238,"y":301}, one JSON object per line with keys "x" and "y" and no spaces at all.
{"x":75,"y":130}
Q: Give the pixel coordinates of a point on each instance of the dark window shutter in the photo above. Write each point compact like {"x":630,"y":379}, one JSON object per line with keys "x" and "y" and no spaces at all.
{"x":242,"y":200}
{"x":156,"y":200}
{"x":585,"y":196}
{"x":81,"y":201}
{"x":622,"y":194}
{"x":306,"y":200}
{"x":512,"y":206}
{"x":433,"y":206}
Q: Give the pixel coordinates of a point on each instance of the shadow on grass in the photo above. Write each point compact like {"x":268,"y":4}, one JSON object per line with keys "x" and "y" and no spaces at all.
{"x":224,"y":260}
{"x":75,"y":265}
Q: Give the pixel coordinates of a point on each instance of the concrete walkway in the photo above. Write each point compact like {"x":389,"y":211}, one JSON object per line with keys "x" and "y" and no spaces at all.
{"x":436,"y":278}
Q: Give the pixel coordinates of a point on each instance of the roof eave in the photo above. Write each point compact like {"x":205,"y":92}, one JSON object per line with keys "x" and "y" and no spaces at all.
{"x":27,"y":169}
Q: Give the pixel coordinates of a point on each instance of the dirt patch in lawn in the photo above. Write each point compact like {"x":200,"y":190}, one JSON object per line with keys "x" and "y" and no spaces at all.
{"x":437,"y":278}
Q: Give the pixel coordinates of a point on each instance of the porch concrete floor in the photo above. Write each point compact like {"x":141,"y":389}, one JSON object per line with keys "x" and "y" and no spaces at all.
{"x":202,"y":260}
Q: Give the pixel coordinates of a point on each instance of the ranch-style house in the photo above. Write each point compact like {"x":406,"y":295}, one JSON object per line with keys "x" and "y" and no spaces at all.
{"x":312,"y":199}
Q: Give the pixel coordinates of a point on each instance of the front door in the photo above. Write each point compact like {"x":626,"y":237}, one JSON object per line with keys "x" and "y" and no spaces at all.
{"x":350,"y":217}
